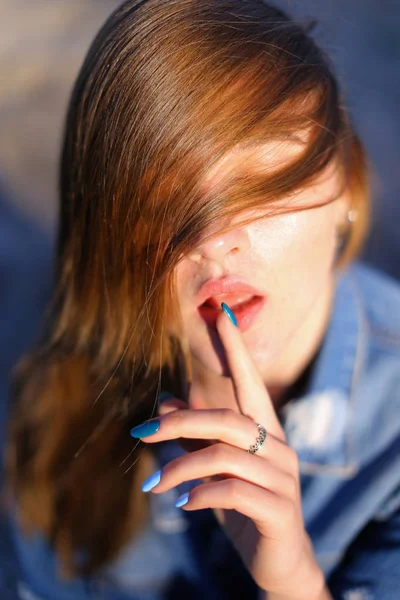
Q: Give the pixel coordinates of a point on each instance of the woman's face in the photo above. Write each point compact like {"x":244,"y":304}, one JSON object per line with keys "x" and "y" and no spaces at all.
{"x":288,"y":258}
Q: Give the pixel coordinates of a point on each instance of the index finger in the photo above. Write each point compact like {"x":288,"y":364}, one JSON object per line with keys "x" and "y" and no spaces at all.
{"x":251,"y":392}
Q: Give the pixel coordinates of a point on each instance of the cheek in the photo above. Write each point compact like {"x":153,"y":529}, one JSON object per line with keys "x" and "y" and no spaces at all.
{"x":319,"y":239}
{"x":297,"y":254}
{"x":305,"y":239}
{"x":317,"y":242}
{"x":313,"y":256}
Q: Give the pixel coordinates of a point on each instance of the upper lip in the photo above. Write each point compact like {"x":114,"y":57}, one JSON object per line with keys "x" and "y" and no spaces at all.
{"x":225,"y":285}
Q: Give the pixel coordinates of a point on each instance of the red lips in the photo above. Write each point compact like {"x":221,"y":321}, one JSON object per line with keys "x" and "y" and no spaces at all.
{"x":225,"y":285}
{"x":230,"y":290}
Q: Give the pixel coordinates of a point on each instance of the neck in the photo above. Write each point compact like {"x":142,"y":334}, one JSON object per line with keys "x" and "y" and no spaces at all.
{"x":288,"y":376}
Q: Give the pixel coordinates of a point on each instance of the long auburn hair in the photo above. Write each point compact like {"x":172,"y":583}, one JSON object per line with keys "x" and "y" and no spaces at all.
{"x":167,"y":89}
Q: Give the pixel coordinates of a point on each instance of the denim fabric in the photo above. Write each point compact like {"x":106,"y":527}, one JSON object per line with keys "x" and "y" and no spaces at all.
{"x":345,"y":430}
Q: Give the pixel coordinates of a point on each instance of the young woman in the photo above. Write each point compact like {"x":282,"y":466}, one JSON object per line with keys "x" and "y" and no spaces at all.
{"x":213,"y":202}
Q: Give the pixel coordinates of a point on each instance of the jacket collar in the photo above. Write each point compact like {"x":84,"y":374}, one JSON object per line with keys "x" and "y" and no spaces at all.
{"x":319,"y":426}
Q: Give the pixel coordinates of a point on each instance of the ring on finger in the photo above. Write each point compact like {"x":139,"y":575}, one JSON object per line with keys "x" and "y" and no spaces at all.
{"x":260,"y":439}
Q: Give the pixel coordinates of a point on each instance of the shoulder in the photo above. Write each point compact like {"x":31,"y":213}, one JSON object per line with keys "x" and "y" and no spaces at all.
{"x":376,"y":377}
{"x":378,"y":297}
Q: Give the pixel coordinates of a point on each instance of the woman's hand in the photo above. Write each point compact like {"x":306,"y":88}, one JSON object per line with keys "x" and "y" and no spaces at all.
{"x":256,"y":497}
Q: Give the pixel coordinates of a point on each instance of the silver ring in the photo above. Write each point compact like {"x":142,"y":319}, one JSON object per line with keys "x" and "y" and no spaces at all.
{"x":259,"y":441}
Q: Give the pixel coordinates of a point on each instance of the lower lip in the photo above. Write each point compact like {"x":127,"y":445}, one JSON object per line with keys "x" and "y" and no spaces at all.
{"x":245,"y":316}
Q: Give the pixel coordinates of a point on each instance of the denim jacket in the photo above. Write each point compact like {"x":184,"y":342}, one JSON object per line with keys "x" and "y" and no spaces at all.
{"x":345,"y":430}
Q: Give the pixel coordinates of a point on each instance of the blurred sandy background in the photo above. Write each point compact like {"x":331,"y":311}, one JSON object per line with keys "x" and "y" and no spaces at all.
{"x":42,"y":45}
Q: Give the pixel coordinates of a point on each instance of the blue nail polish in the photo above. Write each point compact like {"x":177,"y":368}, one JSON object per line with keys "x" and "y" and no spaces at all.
{"x":164,"y":395}
{"x":145,"y":429}
{"x":182,"y":500}
{"x":151,"y":482}
{"x":228,"y":312}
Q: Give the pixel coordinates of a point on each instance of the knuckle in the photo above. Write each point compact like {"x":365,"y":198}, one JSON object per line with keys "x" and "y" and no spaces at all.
{"x":170,"y":419}
{"x":233,"y":489}
{"x":219,"y":452}
{"x":176,"y":417}
{"x":226,"y":415}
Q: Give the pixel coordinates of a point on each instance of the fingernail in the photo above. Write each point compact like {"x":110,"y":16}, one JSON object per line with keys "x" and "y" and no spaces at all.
{"x":228,"y":312}
{"x":145,"y":429}
{"x":182,"y":500}
{"x":151,"y":482}
{"x":164,"y":395}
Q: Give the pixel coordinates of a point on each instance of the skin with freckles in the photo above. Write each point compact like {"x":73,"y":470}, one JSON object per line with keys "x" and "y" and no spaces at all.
{"x":289,"y":258}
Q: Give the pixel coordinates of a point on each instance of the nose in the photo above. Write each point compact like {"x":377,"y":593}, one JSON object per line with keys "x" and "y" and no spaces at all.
{"x":222,"y":246}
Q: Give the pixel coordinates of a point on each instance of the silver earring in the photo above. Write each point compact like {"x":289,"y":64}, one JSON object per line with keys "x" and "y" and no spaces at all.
{"x":352,"y":215}
{"x":344,"y":230}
